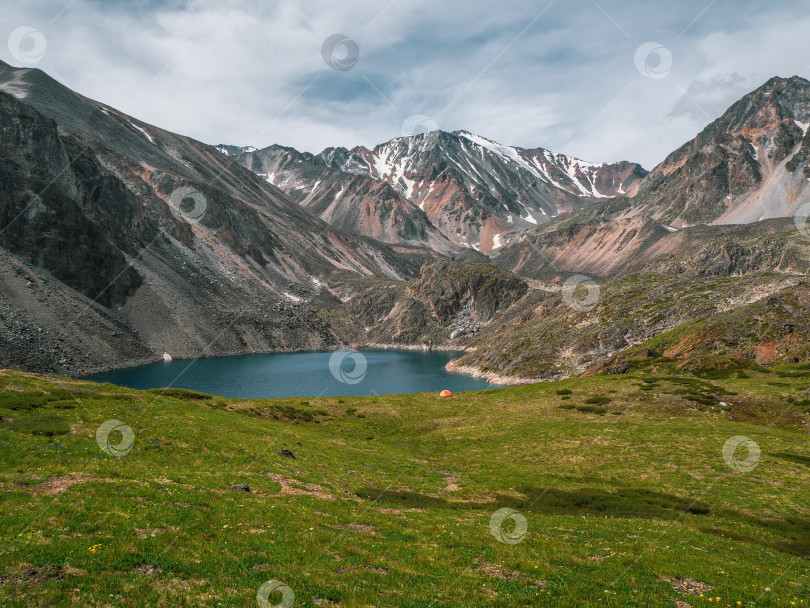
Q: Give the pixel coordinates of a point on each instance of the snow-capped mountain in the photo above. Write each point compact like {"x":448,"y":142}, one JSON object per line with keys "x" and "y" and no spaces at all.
{"x":477,"y":192}
{"x":234,"y":150}
{"x":352,"y":202}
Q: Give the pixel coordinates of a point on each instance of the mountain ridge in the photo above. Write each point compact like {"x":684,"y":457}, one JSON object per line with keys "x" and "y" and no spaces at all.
{"x":477,"y":192}
{"x":105,"y":262}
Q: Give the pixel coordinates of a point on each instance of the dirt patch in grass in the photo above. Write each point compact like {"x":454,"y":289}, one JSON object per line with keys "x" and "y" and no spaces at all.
{"x":293,"y":486}
{"x":146,"y":570}
{"x":355,"y":527}
{"x":686,"y":586}
{"x":57,"y":485}
{"x":26,"y":574}
{"x":497,"y":571}
{"x":146,"y":533}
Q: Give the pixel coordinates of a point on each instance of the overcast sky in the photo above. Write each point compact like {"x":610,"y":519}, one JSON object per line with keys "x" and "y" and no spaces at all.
{"x":603,"y":81}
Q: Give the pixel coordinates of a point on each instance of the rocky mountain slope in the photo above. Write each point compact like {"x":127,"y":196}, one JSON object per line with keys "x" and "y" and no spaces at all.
{"x":747,"y":283}
{"x":477,"y":192}
{"x":750,"y":164}
{"x":120,"y":241}
{"x":178,"y":247}
{"x":355,"y":203}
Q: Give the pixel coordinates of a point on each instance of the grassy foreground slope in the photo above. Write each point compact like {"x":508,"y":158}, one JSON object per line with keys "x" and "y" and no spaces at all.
{"x":388,"y":501}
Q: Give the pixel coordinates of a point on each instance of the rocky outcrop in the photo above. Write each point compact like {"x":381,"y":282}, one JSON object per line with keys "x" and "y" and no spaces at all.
{"x":357,"y":204}
{"x":745,"y":166}
{"x":449,"y":302}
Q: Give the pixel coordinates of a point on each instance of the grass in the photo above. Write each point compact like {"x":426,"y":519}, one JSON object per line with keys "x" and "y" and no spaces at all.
{"x":394,"y":508}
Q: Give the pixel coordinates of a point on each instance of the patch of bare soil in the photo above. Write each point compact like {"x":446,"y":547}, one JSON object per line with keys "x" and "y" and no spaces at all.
{"x":355,"y":527}
{"x":686,"y":586}
{"x":57,"y":485}
{"x":293,"y":486}
{"x":26,"y":574}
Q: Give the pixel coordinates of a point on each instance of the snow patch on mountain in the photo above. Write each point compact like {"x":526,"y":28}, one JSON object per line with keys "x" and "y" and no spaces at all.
{"x":575,"y":169}
{"x":149,"y":137}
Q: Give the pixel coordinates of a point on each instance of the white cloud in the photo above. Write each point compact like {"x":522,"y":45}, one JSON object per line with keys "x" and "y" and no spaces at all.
{"x":249,"y":73}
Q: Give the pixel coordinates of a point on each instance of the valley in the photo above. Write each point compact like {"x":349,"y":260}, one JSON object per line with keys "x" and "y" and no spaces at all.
{"x":433,"y":370}
{"x":121,"y":242}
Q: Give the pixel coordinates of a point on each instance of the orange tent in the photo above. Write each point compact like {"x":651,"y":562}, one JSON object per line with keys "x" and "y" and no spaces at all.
{"x":445,"y":393}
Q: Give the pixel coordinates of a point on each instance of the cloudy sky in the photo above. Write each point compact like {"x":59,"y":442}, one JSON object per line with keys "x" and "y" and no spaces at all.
{"x":604,"y":81}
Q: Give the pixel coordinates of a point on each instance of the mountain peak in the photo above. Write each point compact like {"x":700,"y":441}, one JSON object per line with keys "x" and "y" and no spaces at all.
{"x":750,"y":164}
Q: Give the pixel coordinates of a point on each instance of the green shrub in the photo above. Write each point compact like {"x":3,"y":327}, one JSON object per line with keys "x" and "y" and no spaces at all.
{"x":13,"y":400}
{"x":598,"y":400}
{"x":44,"y":423}
{"x":698,"y":398}
{"x":179,"y":393}
{"x":564,"y":391}
{"x":567,"y":406}
{"x":591,"y":409}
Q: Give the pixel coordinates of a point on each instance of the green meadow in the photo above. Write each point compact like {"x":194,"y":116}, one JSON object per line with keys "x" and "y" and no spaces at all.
{"x":620,"y":482}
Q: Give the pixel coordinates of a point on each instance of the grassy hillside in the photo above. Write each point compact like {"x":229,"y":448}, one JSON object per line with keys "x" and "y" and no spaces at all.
{"x":388,"y":501}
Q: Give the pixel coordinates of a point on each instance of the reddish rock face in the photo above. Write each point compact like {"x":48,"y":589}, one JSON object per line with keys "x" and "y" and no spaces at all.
{"x":478,"y":193}
{"x":355,"y":203}
{"x":748,"y":165}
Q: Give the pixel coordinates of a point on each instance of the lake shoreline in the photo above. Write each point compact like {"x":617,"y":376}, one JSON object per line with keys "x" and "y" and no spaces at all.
{"x":491,"y":377}
{"x":391,"y":370}
{"x":80,"y":373}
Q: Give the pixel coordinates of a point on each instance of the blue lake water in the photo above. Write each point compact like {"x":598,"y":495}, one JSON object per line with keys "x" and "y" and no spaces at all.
{"x":368,"y":372}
